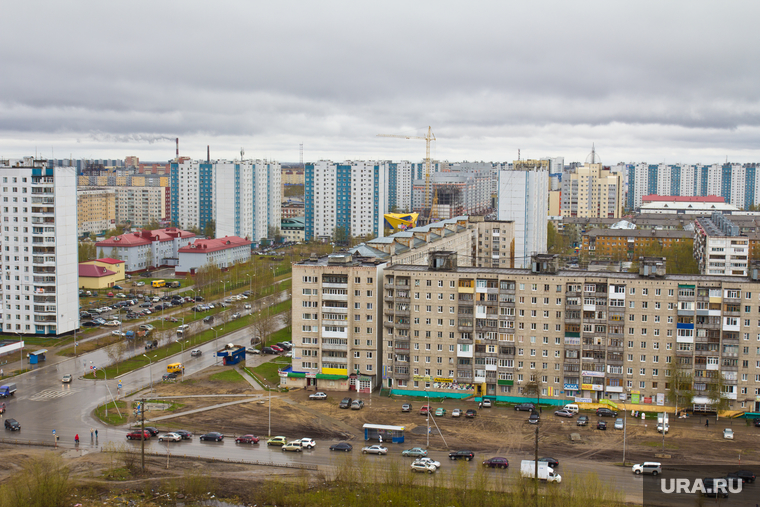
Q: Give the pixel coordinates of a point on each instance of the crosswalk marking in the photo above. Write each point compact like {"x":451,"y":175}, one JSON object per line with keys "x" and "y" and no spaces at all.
{"x":50,"y":394}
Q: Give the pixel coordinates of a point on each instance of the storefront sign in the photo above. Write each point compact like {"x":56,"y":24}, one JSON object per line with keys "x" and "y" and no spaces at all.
{"x":592,"y":374}
{"x":571,"y":387}
{"x":422,"y":378}
{"x":443,"y":379}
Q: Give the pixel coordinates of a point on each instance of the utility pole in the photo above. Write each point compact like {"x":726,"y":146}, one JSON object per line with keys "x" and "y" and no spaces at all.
{"x":142,"y":436}
{"x":535,"y":470}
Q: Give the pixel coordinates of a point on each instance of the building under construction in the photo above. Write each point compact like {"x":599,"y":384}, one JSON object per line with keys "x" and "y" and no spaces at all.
{"x":456,"y":193}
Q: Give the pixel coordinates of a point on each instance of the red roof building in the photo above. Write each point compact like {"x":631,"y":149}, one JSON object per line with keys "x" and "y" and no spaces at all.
{"x":224,"y":252}
{"x":145,"y":249}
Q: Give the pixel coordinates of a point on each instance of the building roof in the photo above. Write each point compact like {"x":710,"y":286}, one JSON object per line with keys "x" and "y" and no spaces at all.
{"x":682,"y":198}
{"x":93,"y":271}
{"x":109,"y":260}
{"x":640,"y":233}
{"x":204,"y":246}
{"x":145,"y":237}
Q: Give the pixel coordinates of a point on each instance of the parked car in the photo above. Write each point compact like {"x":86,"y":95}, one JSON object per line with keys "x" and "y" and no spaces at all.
{"x":118,"y":333}
{"x":209,"y":319}
{"x":375,"y":449}
{"x":471,"y":413}
{"x":277,"y":348}
{"x":14,"y":425}
{"x":440,"y":412}
{"x":605,"y":412}
{"x":252,"y":351}
{"x":406,"y":407}
{"x":756,"y":421}
{"x":138,"y":435}
{"x":465,"y":455}
{"x":619,"y":424}
{"x":186,"y":435}
{"x":318,"y":396}
{"x":90,"y":323}
{"x":648,"y":467}
{"x":357,"y":405}
{"x":280,"y":440}
{"x":496,"y":463}
{"x":213,"y":435}
{"x":424,"y":409}
{"x":534,"y":417}
{"x":744,"y":475}
{"x":661,"y":428}
{"x":153,"y":431}
{"x":551,"y":461}
{"x":67,"y":378}
{"x":486,"y":403}
{"x":728,"y":433}
{"x":601,"y":425}
{"x":341,"y":446}
{"x":582,"y":420}
{"x":293,"y":447}
{"x":563,"y":413}
{"x":235,"y":316}
{"x":247,"y":439}
{"x":415,"y":452}
{"x":527,"y":407}
{"x":196,"y":353}
{"x":456,"y":413}
{"x":268,"y":350}
{"x":307,"y":443}
{"x":345,"y":403}
{"x":169,"y":437}
{"x":420,"y":466}
{"x":169,"y":376}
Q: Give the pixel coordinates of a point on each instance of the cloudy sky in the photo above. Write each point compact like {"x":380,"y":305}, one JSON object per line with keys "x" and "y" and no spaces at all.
{"x":674,"y":81}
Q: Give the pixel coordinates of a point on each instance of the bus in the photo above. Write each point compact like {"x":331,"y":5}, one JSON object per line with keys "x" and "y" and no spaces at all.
{"x":159,"y":283}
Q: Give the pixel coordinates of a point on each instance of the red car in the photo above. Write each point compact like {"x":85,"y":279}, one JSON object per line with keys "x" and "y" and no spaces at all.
{"x":276,"y":348}
{"x":110,"y":294}
{"x":247,"y":439}
{"x":424,"y":409}
{"x":135,"y":435}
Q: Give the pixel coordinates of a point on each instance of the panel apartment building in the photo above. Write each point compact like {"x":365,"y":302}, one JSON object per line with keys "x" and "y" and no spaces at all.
{"x":39,"y":248}
{"x":96,"y":211}
{"x":592,"y":191}
{"x":243,"y":198}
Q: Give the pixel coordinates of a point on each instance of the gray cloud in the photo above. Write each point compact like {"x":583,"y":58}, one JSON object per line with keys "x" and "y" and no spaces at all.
{"x":646,"y":81}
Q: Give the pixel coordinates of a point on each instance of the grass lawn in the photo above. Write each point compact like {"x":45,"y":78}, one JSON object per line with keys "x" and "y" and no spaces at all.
{"x":113,"y":415}
{"x":269,"y":372}
{"x":227,"y":376}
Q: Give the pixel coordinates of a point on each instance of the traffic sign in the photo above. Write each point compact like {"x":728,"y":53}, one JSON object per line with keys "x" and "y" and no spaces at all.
{"x":53,"y":432}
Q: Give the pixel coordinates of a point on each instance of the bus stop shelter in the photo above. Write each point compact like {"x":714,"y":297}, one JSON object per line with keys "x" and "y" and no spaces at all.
{"x":388,"y":433}
{"x":37,"y":356}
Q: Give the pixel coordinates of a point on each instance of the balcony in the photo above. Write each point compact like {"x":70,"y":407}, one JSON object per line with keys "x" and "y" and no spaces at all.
{"x":402,"y":325}
{"x":401,"y":374}
{"x":684,"y":353}
{"x":402,"y":313}
{"x":464,"y":329}
{"x":44,"y":279}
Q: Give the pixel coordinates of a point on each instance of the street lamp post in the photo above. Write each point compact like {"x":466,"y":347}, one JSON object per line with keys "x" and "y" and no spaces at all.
{"x":427,"y":394}
{"x":20,"y":352}
{"x":150,"y":366}
{"x":250,"y":285}
{"x":182,"y":359}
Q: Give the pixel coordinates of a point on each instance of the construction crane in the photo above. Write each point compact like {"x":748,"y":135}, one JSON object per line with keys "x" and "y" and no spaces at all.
{"x":428,"y":211}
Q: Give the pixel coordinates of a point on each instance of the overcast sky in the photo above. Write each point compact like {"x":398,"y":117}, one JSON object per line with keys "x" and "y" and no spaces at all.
{"x":665,"y":81}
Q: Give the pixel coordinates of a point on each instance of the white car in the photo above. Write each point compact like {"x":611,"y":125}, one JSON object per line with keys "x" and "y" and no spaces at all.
{"x":156,"y":300}
{"x":456,"y":413}
{"x":429,"y":461}
{"x":251,"y":350}
{"x":112,"y":323}
{"x":170,"y":437}
{"x":196,"y":353}
{"x":318,"y":396}
{"x":375,"y":449}
{"x":307,"y":443}
{"x":247,"y":306}
{"x":419,"y":466}
{"x":728,"y":433}
{"x":140,"y":284}
{"x":659,"y":428}
{"x":67,"y":378}
{"x":183,"y":327}
{"x":118,"y":333}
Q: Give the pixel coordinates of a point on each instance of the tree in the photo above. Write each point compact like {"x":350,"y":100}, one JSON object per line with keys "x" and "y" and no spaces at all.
{"x":102,"y":254}
{"x":117,"y":231}
{"x":149,"y":258}
{"x":341,"y":236}
{"x":556,"y":243}
{"x":115,"y":254}
{"x":87,"y":251}
{"x":263,"y":326}
{"x":681,"y":390}
{"x":715,"y":391}
{"x":115,"y":351}
{"x":207,"y":275}
{"x":209,"y":230}
{"x":152,"y":225}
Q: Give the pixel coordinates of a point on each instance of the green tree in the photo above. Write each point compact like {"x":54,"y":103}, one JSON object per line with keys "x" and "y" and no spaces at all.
{"x":341,"y":236}
{"x":117,"y":231}
{"x":102,"y":254}
{"x":115,"y":254}
{"x":715,"y":391}
{"x":680,"y":258}
{"x":209,"y":230}
{"x":152,"y":225}
{"x":87,"y":251}
{"x":681,"y":390}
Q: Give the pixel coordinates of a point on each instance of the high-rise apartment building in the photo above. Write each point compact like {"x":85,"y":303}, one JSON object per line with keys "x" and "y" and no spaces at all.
{"x":140,"y":206}
{"x":451,"y":331}
{"x":460,"y":191}
{"x":248,"y":198}
{"x":399,"y":186}
{"x":347,"y":199}
{"x":592,"y":191}
{"x":523,"y":199}
{"x":493,"y":244}
{"x":243,"y":198}
{"x":739,"y":184}
{"x":39,"y":248}
{"x":96,"y":211}
{"x":719,"y":246}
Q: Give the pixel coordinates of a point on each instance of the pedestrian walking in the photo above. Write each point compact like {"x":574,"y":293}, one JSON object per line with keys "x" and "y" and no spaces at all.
{"x":96,"y":434}
{"x":76,"y":439}
{"x":1,"y":373}
{"x":480,"y":404}
{"x":92,"y":433}
{"x":707,"y":423}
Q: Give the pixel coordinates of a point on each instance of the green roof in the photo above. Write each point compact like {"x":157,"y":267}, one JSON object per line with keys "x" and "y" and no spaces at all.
{"x":330,"y":376}
{"x":296,"y":374}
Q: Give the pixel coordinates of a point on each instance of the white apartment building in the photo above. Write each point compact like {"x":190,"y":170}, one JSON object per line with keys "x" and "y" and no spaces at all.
{"x":247,"y":198}
{"x":139,"y":206}
{"x":144,"y":249}
{"x":523,"y":199}
{"x":349,"y":196}
{"x":719,"y":248}
{"x":39,"y":248}
{"x":399,"y":186}
{"x":192,"y":193}
{"x":223,"y":252}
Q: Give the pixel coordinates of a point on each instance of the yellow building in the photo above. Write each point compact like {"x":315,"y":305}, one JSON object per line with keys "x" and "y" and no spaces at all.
{"x":101,"y":273}
{"x":96,"y":210}
{"x":554,"y":203}
{"x":592,"y":191}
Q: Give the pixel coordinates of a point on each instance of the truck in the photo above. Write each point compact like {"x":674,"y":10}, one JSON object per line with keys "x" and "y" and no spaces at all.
{"x":174,"y":284}
{"x":545,"y":472}
{"x":130,"y":335}
{"x":7,"y":390}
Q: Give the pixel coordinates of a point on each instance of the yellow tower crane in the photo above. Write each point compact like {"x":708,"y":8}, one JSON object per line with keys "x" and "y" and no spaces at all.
{"x":428,"y":211}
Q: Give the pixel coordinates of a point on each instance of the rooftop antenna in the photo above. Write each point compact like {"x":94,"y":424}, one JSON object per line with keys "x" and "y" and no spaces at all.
{"x":242,"y":152}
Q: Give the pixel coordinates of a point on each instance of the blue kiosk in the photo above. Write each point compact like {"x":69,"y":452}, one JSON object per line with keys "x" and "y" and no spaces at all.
{"x":37,"y":356}
{"x":388,"y":433}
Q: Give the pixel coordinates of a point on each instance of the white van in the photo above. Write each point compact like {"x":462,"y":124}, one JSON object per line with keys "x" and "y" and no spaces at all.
{"x":572,"y":407}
